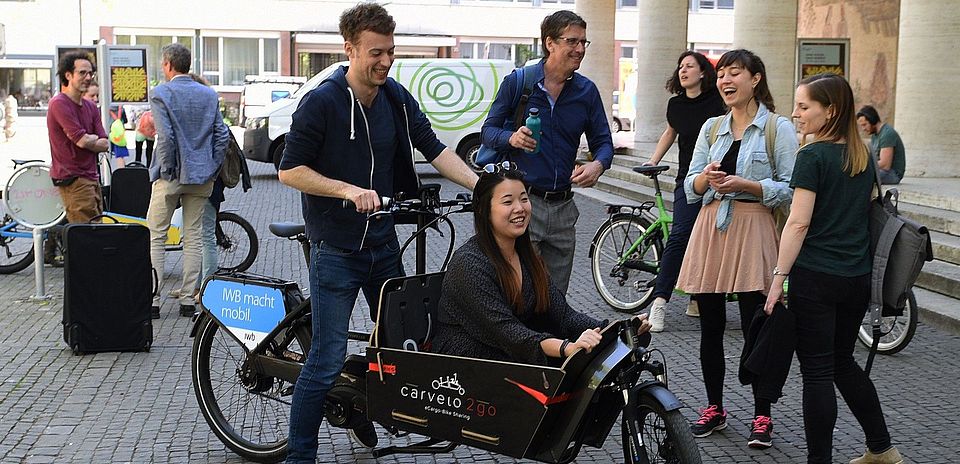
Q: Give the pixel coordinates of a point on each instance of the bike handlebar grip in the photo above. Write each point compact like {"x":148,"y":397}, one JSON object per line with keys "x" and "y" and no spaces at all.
{"x":385,"y":202}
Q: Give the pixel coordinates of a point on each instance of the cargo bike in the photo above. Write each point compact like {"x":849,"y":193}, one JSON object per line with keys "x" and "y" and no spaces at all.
{"x":252,"y":334}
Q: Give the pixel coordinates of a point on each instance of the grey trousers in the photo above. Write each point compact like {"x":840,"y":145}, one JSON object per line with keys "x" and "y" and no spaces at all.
{"x":889,"y":177}
{"x":554,"y":233}
{"x":163,"y":201}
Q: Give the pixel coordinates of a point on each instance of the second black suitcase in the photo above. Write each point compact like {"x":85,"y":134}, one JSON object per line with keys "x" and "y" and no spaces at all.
{"x":130,"y":190}
{"x":108,"y":286}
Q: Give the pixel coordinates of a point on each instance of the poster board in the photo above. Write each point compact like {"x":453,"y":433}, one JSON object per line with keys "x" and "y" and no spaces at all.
{"x":816,"y":56}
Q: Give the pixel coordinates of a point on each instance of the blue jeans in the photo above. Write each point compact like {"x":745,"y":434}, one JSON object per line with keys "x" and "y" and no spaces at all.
{"x":336,"y":275}
{"x":684,"y":215}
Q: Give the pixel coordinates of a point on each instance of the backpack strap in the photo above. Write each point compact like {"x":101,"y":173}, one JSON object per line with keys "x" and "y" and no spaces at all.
{"x":521,"y":96}
{"x":770,"y":135}
{"x":715,"y":130}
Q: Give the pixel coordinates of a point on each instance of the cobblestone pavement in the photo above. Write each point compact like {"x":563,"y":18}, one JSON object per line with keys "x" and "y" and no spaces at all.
{"x":140,"y":407}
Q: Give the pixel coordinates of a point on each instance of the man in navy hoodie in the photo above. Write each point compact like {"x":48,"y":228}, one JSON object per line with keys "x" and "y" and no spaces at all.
{"x":352,"y":138}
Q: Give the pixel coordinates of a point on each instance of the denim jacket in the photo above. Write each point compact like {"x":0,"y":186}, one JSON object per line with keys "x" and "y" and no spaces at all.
{"x":752,"y":163}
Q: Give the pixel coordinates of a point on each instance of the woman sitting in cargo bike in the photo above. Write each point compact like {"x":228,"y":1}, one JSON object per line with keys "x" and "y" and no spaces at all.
{"x":506,"y":365}
{"x":498,"y":301}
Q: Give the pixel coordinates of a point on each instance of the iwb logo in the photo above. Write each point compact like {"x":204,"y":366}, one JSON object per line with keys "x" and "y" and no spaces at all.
{"x":249,"y":310}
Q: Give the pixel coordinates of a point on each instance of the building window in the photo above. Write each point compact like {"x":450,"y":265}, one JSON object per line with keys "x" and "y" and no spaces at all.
{"x":519,"y":53}
{"x":627,"y":51}
{"x":229,"y":60}
{"x":696,"y":5}
{"x":154,"y":44}
{"x":626,"y":3}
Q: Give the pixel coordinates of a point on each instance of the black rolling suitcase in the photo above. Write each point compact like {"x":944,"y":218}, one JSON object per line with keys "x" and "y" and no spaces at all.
{"x":108,"y":287}
{"x":130,"y":190}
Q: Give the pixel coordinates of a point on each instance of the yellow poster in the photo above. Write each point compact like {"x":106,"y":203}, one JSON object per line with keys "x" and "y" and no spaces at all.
{"x":129,"y":84}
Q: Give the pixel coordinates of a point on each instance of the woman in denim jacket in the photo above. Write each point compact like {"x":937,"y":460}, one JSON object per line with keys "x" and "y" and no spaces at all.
{"x":733,"y":244}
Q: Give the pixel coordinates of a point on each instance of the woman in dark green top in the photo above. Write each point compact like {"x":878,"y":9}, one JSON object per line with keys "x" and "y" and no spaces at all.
{"x":824,"y":248}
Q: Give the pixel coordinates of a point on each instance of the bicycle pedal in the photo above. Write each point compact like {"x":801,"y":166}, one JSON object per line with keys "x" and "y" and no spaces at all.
{"x":287,"y":391}
{"x":395,"y":432}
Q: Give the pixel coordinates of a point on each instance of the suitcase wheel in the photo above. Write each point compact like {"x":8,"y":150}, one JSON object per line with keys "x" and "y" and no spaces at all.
{"x":76,"y":350}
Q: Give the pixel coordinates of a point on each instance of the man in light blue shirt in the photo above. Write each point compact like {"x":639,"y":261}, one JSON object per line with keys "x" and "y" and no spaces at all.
{"x":191,"y":142}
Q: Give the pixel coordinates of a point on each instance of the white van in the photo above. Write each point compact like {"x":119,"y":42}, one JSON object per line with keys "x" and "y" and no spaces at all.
{"x":455,"y":94}
{"x":260,"y":91}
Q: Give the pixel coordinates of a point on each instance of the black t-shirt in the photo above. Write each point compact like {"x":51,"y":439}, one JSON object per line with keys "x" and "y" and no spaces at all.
{"x":729,"y":162}
{"x":383,"y":138}
{"x":686,"y":116}
{"x":838,"y":240}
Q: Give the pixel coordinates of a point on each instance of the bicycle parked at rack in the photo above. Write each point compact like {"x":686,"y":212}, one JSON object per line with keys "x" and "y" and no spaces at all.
{"x":625,"y":260}
{"x":244,"y":378}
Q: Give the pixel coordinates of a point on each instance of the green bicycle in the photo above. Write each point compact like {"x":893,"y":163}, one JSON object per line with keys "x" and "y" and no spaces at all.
{"x":626,"y":250}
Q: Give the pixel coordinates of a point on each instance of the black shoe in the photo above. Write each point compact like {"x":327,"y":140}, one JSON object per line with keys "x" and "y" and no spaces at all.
{"x":762,"y":435}
{"x":365,"y":435}
{"x":57,"y":261}
{"x":187,"y":310}
{"x":711,"y":419}
{"x":155,"y":312}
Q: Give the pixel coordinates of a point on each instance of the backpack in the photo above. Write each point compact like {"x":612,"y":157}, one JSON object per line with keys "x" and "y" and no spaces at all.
{"x":234,"y":167}
{"x":782,"y":212}
{"x":899,"y":247}
{"x":521,"y":95}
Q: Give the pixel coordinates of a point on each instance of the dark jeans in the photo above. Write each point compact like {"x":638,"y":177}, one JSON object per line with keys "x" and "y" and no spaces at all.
{"x":829,"y":311}
{"x":684,"y":215}
{"x":336,"y":275}
{"x":713,"y":322}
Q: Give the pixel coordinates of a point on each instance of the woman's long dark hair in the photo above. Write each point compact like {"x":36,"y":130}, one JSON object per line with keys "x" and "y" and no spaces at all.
{"x":754,"y":65}
{"x":482,"y":203}
{"x":707,"y":82}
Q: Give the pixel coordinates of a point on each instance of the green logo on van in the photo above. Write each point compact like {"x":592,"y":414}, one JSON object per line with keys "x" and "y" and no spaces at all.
{"x":453,"y":98}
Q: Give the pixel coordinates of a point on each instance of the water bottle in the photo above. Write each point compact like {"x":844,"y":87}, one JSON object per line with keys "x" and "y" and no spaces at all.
{"x":533,"y":123}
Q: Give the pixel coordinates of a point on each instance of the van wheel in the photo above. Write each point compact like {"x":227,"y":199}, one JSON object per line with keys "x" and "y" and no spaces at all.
{"x":277,"y":154}
{"x":468,"y":152}
{"x":617,"y":125}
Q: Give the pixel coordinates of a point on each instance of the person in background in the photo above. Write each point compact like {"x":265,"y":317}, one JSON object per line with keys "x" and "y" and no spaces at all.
{"x":570,"y":106}
{"x":734,"y":239}
{"x":145,"y":135}
{"x":192,"y":141}
{"x":885,"y":146}
{"x":10,"y":114}
{"x":498,"y":302}
{"x":93,"y":93}
{"x":825,"y":249}
{"x":695,"y":99}
{"x":352,"y":138}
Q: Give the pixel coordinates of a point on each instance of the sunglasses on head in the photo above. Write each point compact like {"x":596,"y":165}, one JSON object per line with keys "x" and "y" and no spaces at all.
{"x":501,"y":167}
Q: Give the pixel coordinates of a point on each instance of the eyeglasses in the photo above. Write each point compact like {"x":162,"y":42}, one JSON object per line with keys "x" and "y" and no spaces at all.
{"x":573,"y":41}
{"x":501,"y":167}
{"x":85,"y":73}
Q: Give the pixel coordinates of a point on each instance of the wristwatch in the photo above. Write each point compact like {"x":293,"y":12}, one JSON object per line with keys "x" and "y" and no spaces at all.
{"x":778,"y":272}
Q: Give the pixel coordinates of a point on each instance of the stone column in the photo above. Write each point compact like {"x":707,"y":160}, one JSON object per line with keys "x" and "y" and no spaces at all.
{"x":928,"y":87}
{"x":599,"y":64}
{"x":662,"y":38}
{"x":769,"y":29}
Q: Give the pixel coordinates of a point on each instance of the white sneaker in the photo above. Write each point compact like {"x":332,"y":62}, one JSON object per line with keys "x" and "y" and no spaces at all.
{"x":658,"y":315}
{"x":692,"y":309}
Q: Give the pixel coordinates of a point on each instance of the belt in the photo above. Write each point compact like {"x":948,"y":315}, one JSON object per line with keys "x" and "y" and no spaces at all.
{"x":746,"y":201}
{"x":559,"y":195}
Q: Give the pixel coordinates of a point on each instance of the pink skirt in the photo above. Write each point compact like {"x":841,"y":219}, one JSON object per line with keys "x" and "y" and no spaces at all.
{"x":740,"y":259}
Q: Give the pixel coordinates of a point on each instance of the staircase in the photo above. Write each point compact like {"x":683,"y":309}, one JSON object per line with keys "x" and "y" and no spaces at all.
{"x":932,"y":202}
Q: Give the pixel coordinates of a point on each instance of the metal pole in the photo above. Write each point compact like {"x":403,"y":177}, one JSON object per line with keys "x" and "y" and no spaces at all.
{"x":41,"y":294}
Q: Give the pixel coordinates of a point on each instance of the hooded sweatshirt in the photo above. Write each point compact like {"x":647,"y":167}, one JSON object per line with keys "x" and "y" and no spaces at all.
{"x":330,"y":134}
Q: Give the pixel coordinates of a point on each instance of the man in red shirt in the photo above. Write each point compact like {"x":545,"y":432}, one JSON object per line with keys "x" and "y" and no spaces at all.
{"x":76,"y":137}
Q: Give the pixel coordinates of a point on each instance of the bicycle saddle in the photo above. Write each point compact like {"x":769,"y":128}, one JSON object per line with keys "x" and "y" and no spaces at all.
{"x":650,"y":170}
{"x":286,"y":229}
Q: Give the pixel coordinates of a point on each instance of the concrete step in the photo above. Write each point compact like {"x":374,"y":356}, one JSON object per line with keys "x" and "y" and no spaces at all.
{"x":940,"y":311}
{"x":630,"y":191}
{"x":940,"y":220}
{"x":946,"y":247}
{"x":941,"y":277}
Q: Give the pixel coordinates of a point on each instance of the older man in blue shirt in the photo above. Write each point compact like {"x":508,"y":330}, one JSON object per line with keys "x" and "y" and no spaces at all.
{"x":570,"y":105}
{"x":191,"y":142}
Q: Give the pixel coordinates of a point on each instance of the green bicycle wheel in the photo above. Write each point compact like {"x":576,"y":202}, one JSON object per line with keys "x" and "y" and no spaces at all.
{"x":626,"y":284}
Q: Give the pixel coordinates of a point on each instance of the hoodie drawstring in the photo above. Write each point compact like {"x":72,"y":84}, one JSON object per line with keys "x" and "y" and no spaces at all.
{"x":353,"y":105}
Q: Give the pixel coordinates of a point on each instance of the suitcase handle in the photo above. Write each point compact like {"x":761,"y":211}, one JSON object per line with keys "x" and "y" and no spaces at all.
{"x":135,"y":164}
{"x":101,"y":216}
{"x":156,"y":282}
